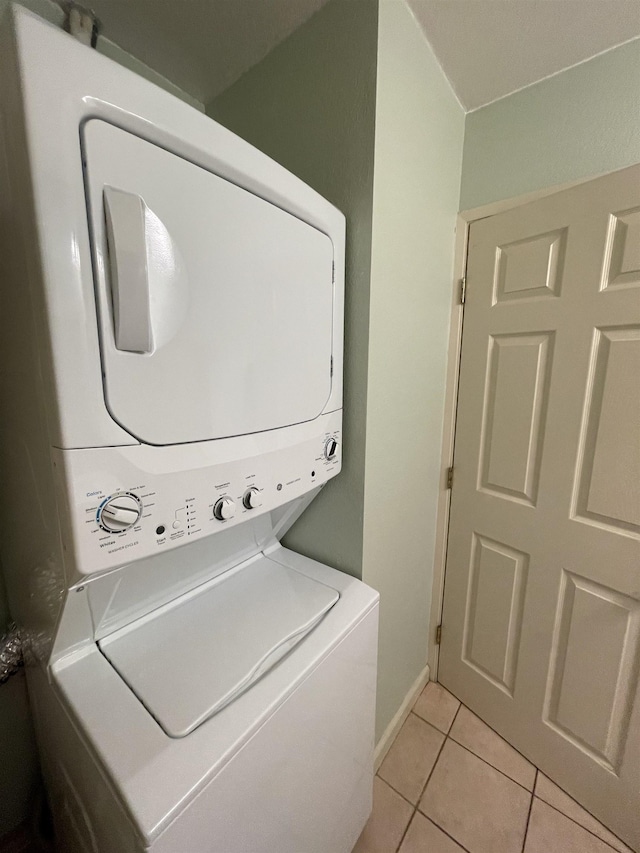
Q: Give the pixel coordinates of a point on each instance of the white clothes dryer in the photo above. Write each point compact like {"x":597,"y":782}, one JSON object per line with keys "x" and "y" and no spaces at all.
{"x":172,"y":338}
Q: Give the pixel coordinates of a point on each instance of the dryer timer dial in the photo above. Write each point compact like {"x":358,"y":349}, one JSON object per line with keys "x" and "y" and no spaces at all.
{"x":330,"y":449}
{"x":119,"y":512}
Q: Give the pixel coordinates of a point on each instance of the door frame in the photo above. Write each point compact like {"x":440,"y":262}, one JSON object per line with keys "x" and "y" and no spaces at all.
{"x":464,"y":220}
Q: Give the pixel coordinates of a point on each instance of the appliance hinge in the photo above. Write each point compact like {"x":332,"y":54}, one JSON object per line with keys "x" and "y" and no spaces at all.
{"x":333,"y":272}
{"x":331,"y":374}
{"x":438,"y":634}
{"x":82,"y":23}
{"x":463,"y":289}
{"x":450,"y":477}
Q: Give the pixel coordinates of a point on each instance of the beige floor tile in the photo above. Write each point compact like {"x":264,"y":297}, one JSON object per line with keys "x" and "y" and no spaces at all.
{"x":423,"y":836}
{"x":477,"y":805}
{"x":556,"y":797}
{"x":552,"y":832}
{"x":411,"y":758}
{"x":471,"y":732}
{"x":388,"y":821}
{"x":437,"y":706}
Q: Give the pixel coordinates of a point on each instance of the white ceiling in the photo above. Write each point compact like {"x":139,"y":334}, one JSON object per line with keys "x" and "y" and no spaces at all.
{"x":490,"y":48}
{"x":202,"y":46}
{"x":487,"y":48}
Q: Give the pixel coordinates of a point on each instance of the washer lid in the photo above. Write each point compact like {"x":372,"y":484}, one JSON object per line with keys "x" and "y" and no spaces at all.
{"x":189,"y":659}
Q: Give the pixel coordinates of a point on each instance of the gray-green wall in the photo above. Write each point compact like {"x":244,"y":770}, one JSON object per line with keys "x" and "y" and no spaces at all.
{"x":578,"y":124}
{"x":310,"y":104}
{"x":418,"y":159}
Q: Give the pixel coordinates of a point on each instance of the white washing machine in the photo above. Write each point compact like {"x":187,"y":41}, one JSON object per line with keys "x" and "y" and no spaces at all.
{"x":171,"y":341}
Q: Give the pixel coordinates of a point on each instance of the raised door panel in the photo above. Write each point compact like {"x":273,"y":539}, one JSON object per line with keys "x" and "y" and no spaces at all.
{"x":622,"y":255}
{"x":594,"y":668}
{"x":493,"y":618}
{"x":514,"y":415}
{"x":530,"y":268}
{"x":609,"y":459}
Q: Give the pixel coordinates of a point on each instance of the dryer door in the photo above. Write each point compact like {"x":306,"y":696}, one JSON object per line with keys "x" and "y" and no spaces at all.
{"x":215,"y":306}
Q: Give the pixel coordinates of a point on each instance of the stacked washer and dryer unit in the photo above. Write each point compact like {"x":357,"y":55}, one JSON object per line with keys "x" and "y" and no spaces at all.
{"x":172,"y":314}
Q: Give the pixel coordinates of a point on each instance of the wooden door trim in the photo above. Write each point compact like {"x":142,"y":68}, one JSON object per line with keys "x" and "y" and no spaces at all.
{"x":448,"y":436}
{"x":463,"y":222}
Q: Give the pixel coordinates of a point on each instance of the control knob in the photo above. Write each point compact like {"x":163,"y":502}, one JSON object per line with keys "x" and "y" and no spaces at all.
{"x":330,"y":449}
{"x":252,"y":498}
{"x":224,"y":508}
{"x":119,"y":512}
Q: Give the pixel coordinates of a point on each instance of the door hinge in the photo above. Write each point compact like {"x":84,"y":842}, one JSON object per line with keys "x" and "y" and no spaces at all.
{"x":438,"y":634}
{"x":450,"y":477}
{"x":463,"y":290}
{"x":331,"y":374}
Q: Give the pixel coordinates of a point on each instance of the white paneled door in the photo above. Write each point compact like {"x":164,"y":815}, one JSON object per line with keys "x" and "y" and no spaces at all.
{"x":541,"y":624}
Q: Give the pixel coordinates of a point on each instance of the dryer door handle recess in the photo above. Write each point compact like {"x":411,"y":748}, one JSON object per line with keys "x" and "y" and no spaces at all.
{"x":126,"y":220}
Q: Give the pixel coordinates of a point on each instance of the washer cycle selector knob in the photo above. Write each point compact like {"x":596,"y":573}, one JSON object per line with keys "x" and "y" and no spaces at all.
{"x":224,"y":509}
{"x":252,"y":498}
{"x":330,"y":449}
{"x":119,"y":512}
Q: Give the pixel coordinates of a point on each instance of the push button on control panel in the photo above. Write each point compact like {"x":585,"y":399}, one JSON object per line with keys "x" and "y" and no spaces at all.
{"x":180,"y":518}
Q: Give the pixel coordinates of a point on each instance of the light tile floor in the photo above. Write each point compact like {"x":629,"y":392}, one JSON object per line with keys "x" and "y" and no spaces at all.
{"x":450,"y":784}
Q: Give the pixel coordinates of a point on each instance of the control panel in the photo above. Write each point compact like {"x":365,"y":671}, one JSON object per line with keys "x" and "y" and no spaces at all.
{"x":131,"y":513}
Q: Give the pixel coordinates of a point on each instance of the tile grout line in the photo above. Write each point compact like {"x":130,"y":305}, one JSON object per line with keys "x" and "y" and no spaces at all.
{"x":531,"y":792}
{"x":446,"y":738}
{"x":497,"y":769}
{"x":537,"y":769}
{"x":396,"y":791}
{"x":526,"y":826}
{"x":406,"y":829}
{"x":444,"y":831}
{"x":521,"y":754}
{"x":415,"y":808}
{"x":560,"y":812}
{"x":533,"y":796}
{"x":515,"y":749}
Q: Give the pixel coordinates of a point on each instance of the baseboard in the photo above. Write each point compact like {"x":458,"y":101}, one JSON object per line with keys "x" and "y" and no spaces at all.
{"x":388,"y":736}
